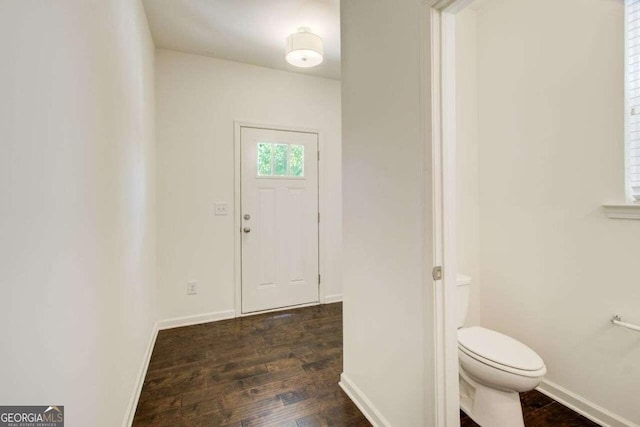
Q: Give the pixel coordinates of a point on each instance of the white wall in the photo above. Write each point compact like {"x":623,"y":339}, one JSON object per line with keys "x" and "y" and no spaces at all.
{"x":385,"y":187}
{"x":77,"y":223}
{"x":554,"y":268}
{"x":198,"y":99}
{"x":467,"y":186}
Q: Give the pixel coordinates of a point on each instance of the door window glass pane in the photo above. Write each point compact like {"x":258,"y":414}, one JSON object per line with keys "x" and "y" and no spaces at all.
{"x":280,"y":160}
{"x":296,"y":160}
{"x":264,"y":159}
{"x":280,"y":154}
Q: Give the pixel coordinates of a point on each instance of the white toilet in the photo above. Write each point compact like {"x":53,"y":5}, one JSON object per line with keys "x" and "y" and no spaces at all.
{"x":494,"y":368}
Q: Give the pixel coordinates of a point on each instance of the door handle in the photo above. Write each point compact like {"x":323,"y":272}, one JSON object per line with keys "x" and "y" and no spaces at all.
{"x":246,"y":229}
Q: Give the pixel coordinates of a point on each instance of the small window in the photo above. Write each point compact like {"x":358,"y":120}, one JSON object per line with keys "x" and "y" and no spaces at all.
{"x":280,"y":155}
{"x":280,"y":160}
{"x":632,"y":89}
{"x":264,"y":159}
{"x":296,"y":160}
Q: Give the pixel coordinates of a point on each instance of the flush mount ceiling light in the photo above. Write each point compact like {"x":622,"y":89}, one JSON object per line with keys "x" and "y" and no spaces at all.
{"x":304,"y":49}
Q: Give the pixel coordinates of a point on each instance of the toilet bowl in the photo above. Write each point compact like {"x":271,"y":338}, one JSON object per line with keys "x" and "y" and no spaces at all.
{"x":494,"y":369}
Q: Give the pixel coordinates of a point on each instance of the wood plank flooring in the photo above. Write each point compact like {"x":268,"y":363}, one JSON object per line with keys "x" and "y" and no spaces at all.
{"x":277,"y":369}
{"x":540,"y":411}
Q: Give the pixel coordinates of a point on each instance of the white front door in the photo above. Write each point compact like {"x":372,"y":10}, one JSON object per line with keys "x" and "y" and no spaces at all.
{"x":279,"y":210}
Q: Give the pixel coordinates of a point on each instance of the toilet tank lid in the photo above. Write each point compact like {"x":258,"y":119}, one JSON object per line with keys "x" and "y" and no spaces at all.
{"x":463,"y":280}
{"x":499,"y":348}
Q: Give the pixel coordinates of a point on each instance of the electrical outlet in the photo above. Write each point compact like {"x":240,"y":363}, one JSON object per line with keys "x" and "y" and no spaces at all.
{"x":192,"y":288}
{"x":222,"y":208}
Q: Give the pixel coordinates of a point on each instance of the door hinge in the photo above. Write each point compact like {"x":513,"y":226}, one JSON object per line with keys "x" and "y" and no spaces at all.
{"x":318,"y":279}
{"x":318,"y":155}
{"x":318,"y":216}
{"x":437,"y":273}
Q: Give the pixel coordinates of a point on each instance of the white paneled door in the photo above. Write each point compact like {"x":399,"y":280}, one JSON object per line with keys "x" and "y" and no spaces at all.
{"x":279,"y":217}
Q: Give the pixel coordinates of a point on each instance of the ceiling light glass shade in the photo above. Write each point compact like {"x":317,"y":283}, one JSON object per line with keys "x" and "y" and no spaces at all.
{"x":304,"y":49}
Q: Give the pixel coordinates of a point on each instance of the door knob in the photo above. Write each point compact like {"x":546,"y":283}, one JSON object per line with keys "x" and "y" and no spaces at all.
{"x":246,"y":230}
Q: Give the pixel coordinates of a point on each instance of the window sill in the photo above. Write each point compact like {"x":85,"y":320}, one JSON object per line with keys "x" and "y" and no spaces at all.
{"x":622,"y":211}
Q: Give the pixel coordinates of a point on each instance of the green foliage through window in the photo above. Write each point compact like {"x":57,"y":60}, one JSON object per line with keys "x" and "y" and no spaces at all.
{"x":264,"y":159}
{"x":280,"y":160}
{"x":296,"y":160}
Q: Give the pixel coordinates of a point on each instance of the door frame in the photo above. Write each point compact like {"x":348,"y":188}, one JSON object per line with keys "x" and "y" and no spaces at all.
{"x":442,"y":54}
{"x":237,"y":202}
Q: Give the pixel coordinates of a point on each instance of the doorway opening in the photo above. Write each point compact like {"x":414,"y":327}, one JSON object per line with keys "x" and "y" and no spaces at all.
{"x":442,"y":17}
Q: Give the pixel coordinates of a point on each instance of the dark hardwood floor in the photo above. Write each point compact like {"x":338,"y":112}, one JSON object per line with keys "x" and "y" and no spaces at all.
{"x":540,"y":411}
{"x":277,"y":369}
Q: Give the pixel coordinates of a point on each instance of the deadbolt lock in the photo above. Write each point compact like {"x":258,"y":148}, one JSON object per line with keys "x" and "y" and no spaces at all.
{"x":247,"y":217}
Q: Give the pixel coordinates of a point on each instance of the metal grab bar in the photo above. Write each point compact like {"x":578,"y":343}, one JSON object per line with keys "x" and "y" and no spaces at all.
{"x":617,"y":320}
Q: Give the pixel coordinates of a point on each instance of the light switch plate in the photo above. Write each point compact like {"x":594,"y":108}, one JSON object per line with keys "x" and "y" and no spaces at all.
{"x":192,"y":288}
{"x":222,"y":208}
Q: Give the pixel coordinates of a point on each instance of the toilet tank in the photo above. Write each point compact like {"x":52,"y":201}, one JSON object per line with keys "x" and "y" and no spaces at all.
{"x":463,"y":289}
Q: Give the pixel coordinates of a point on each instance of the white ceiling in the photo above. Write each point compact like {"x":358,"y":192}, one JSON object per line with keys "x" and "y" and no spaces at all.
{"x":249,"y":31}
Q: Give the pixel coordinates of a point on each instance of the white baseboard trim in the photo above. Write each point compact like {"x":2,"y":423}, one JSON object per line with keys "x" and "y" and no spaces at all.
{"x":177,"y":322}
{"x":135,"y":397}
{"x":362,"y":402}
{"x":588,"y":409}
{"x":330,"y":299}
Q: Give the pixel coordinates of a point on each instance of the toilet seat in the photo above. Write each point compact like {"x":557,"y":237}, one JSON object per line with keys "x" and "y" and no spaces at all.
{"x":500,"y":352}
